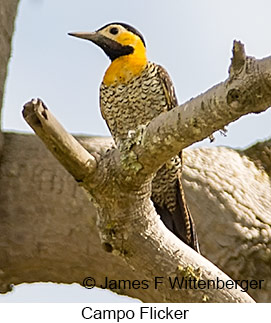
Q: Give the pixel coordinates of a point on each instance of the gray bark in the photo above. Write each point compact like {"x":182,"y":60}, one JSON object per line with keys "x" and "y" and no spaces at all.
{"x":48,"y":230}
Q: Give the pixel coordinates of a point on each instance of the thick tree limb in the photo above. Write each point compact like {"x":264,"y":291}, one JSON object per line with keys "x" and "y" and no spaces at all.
{"x":229,"y":198}
{"x":48,"y":227}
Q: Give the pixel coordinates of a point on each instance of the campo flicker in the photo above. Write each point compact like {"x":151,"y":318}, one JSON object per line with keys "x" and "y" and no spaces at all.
{"x":132,"y":93}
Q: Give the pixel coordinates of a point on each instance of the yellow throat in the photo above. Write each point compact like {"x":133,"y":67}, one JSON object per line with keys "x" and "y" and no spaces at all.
{"x":124,"y":68}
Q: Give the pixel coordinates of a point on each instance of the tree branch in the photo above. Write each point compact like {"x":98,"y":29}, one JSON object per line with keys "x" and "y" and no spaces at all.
{"x":77,"y":160}
{"x":247,"y":90}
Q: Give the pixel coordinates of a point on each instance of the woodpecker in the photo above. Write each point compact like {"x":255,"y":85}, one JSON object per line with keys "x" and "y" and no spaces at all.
{"x":132,"y":93}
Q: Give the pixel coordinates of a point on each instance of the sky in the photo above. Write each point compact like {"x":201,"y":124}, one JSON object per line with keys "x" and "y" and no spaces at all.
{"x":191,"y":39}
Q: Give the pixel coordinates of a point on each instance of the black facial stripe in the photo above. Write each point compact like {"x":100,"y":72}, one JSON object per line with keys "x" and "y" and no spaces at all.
{"x":128,"y":27}
{"x":114,"y":49}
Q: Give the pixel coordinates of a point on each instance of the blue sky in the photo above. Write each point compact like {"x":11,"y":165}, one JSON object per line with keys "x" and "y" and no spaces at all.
{"x":191,"y":39}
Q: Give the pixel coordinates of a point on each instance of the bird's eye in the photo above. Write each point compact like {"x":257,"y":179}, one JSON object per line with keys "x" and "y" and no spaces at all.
{"x":113,"y":31}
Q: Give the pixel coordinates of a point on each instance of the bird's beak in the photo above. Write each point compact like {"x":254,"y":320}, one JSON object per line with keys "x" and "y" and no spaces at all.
{"x":94,"y":37}
{"x":112,"y":48}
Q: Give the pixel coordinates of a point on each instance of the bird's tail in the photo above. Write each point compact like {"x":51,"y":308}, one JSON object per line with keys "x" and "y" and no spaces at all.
{"x":180,"y":221}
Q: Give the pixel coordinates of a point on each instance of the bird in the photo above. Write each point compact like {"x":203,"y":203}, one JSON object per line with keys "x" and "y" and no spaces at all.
{"x":133,"y":92}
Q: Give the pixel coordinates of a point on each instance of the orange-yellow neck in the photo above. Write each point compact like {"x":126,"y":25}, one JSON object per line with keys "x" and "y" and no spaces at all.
{"x":124,"y":68}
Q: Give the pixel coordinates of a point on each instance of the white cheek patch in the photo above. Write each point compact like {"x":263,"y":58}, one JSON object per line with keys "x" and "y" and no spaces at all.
{"x":106,"y":32}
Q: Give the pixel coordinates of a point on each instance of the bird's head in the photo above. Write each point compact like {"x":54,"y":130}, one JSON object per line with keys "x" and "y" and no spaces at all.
{"x":116,"y":39}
